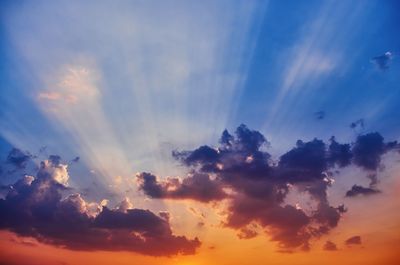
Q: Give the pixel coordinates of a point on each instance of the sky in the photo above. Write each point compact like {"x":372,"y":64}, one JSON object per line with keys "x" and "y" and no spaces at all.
{"x":199,"y":132}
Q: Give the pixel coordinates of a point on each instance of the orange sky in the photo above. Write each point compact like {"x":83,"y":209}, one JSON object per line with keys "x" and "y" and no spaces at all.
{"x":375,"y":219}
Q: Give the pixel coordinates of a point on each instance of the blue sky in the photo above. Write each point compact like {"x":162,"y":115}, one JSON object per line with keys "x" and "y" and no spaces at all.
{"x":111,"y":116}
{"x":123,"y":84}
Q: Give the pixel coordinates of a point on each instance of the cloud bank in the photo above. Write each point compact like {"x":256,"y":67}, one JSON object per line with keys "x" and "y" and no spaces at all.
{"x":240,"y":171}
{"x":43,"y":207}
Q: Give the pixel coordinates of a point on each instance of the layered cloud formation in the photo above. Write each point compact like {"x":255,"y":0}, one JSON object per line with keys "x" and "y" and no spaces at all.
{"x":257,"y":188}
{"x":43,"y":207}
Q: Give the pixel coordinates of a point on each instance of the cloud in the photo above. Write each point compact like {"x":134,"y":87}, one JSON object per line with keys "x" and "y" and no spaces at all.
{"x":382,"y":62}
{"x":360,"y":190}
{"x":76,"y":84}
{"x":197,"y":186}
{"x":163,"y":52}
{"x":354,"y":240}
{"x":247,"y":233}
{"x":204,"y":155}
{"x":339,"y":154}
{"x":53,"y":170}
{"x":18,"y":158}
{"x":35,"y":207}
{"x":368,"y":150}
{"x":330,"y":246}
{"x":305,"y":162}
{"x":258,"y":186}
{"x":357,"y":124}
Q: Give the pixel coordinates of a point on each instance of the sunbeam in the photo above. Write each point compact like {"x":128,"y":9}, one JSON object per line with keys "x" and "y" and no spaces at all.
{"x":199,"y":132}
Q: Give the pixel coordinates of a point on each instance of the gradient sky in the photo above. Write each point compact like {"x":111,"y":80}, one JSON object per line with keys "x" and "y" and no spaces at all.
{"x":111,"y":115}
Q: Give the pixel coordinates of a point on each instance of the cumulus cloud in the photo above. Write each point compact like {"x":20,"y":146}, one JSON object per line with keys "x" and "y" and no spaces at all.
{"x":339,"y":154}
{"x":368,"y":150}
{"x":354,"y":240}
{"x":35,"y":207}
{"x":259,"y":187}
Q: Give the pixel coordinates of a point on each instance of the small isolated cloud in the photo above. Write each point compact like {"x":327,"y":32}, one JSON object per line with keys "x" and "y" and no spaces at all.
{"x":330,"y":246}
{"x":18,"y":158}
{"x":357,"y":125}
{"x":354,"y":240}
{"x":382,"y":62}
{"x":34,"y":207}
{"x":360,"y":190}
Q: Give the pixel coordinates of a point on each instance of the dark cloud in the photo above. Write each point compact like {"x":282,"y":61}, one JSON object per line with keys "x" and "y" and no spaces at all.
{"x":305,"y":162}
{"x":259,"y":186}
{"x":76,"y":159}
{"x":368,"y":150}
{"x":330,"y":246}
{"x":204,"y":155}
{"x":383,"y":61}
{"x":339,"y":154}
{"x":226,"y":139}
{"x":36,"y":207}
{"x":358,"y":124}
{"x":354,"y":240}
{"x":55,"y":159}
{"x":198,"y":186}
{"x":249,"y":140}
{"x":149,"y":184}
{"x":247,"y":233}
{"x":367,"y":153}
{"x":360,"y":190}
{"x":18,"y":158}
